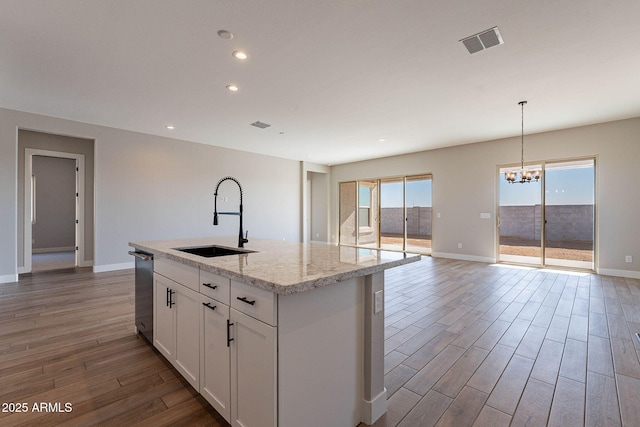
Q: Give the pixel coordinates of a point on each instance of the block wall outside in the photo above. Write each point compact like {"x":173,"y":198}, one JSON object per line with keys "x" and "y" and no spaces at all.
{"x":564,"y":222}
{"x":418,"y":221}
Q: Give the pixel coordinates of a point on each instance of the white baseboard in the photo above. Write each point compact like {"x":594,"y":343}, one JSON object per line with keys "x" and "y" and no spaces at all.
{"x":113,"y":267}
{"x":50,"y":250}
{"x":374,"y":409}
{"x":463,"y":257}
{"x":619,"y":273}
{"x":8,"y":278}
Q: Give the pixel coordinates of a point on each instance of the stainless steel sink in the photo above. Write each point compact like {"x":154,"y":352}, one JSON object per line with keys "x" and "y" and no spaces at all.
{"x":212,"y":251}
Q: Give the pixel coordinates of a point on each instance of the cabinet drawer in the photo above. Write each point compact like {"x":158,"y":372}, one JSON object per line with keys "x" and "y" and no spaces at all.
{"x":255,"y":302}
{"x":178,"y":272}
{"x":215,"y":286}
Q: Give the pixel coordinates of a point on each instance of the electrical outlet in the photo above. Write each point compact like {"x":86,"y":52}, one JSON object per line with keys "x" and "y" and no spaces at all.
{"x":628,"y":258}
{"x":459,"y":245}
{"x":378,"y":302}
{"x":438,"y":215}
{"x":317,"y":234}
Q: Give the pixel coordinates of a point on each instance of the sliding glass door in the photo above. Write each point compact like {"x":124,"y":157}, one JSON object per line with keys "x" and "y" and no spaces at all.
{"x":550,"y":222}
{"x":347,"y":212}
{"x":569,"y":214}
{"x":520,"y":220}
{"x":368,"y":214}
{"x":418,"y":213}
{"x":387,"y":213}
{"x":392,"y":214}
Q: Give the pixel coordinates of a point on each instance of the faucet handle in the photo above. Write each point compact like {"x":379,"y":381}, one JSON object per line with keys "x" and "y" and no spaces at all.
{"x":246,"y":238}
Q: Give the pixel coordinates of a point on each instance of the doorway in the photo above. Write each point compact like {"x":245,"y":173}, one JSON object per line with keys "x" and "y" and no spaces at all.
{"x":53,"y":213}
{"x":54,"y":208}
{"x":550,"y":222}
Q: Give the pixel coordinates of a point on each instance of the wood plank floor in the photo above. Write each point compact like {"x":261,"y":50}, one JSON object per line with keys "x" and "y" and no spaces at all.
{"x":474,"y":344}
{"x":466,"y":344}
{"x":68,"y":337}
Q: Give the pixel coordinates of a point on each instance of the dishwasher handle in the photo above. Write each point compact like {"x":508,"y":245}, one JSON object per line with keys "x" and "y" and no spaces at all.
{"x":141,"y":255}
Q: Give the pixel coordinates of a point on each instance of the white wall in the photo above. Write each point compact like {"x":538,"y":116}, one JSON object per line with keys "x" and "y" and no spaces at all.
{"x":465,"y":184}
{"x":149,"y":187}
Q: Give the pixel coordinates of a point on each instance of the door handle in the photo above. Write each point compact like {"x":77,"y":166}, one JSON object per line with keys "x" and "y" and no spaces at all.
{"x":212,"y":307}
{"x":244,"y":299}
{"x":229,"y":339}
{"x":171,"y":303}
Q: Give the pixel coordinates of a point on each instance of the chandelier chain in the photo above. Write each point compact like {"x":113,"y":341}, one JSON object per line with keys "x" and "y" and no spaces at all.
{"x":522,"y":134}
{"x":525,"y":175}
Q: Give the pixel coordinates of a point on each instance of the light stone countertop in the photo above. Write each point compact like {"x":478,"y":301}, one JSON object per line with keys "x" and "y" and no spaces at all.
{"x":278,"y":266}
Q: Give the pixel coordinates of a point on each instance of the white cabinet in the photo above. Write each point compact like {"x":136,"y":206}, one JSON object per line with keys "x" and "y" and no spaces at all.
{"x":176,"y":326}
{"x":164,"y":323}
{"x":238,"y":362}
{"x":222,"y":339}
{"x":215,"y":357}
{"x":253,"y":372}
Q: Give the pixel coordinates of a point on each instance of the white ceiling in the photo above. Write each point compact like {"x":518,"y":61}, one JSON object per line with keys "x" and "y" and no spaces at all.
{"x":334,"y":76}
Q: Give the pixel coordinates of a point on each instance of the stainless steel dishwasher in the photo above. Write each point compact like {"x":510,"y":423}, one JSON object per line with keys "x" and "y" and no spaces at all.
{"x":144,"y":294}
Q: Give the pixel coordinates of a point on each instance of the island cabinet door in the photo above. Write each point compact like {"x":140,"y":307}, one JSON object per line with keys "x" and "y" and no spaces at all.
{"x":215,"y":357}
{"x":253,"y":372}
{"x":163,"y":317}
{"x":187,"y":312}
{"x":176,"y":332}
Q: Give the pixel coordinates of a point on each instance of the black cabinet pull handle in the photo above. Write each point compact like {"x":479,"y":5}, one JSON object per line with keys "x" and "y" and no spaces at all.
{"x":244,"y":299}
{"x":209,"y":285}
{"x":168,"y":290}
{"x":212,"y":307}
{"x":229,"y":339}
{"x":171,"y":303}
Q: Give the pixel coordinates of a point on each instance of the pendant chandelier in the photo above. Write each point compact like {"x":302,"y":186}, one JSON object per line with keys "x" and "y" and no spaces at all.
{"x":525,"y":175}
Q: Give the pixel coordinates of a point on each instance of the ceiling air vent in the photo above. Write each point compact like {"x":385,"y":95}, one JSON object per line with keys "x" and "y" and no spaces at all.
{"x":260,"y":125}
{"x":483,"y":40}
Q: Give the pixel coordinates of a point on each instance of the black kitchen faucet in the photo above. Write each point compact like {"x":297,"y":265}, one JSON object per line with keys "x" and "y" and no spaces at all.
{"x":241,"y":239}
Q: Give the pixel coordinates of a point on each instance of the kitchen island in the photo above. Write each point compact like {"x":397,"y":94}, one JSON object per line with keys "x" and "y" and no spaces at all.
{"x":283,"y":334}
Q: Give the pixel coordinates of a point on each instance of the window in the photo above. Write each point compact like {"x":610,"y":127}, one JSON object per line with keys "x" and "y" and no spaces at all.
{"x":364,"y":205}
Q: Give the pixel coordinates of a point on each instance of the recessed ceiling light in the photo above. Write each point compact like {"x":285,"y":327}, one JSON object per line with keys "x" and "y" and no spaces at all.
{"x":238,"y":54}
{"x":381,"y":140}
{"x":233,"y":88}
{"x":224,"y":34}
{"x":170,"y":127}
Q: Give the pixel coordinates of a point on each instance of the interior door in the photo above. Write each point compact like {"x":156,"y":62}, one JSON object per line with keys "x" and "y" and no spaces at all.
{"x":569,"y":214}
